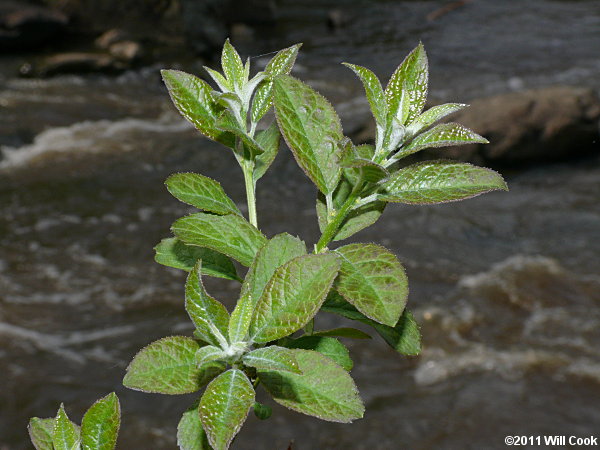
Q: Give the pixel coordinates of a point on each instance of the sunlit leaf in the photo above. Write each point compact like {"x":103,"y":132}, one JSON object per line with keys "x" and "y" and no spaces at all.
{"x":293,"y":296}
{"x":328,"y":346}
{"x":224,"y":407}
{"x":410,"y":78}
{"x":268,"y":140}
{"x":190,"y":434}
{"x":312,"y":130}
{"x":431,"y":116}
{"x":231,"y":235}
{"x":372,"y":279}
{"x":202,"y":192}
{"x":439,"y":182}
{"x":324,"y":389}
{"x":443,"y":135}
{"x":272,"y":358}
{"x":172,"y":252}
{"x":40,"y":433}
{"x":209,"y":316}
{"x":65,"y":434}
{"x":232,"y":65}
{"x":168,"y":366}
{"x":281,"y":64}
{"x":374,"y":92}
{"x":100,"y":424}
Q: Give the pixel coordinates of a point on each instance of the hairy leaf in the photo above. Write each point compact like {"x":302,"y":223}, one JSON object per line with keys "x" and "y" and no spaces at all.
{"x":312,"y":130}
{"x":190,"y":434}
{"x":410,"y":78}
{"x":233,"y":68}
{"x":432,"y":115}
{"x":40,"y":433}
{"x":374,"y":92}
{"x":209,"y":316}
{"x":100,"y":424}
{"x":224,"y":407}
{"x":168,"y":366}
{"x":276,"y":252}
{"x":208,"y":354}
{"x":229,"y":234}
{"x":268,"y":140}
{"x":194,"y":100}
{"x":293,"y":296}
{"x":272,"y":358}
{"x":404,"y":337}
{"x":281,"y":64}
{"x":324,"y":389}
{"x":373,"y":280}
{"x":439,"y":182}
{"x":443,"y":135}
{"x":65,"y":434}
{"x":351,"y":333}
{"x":172,"y":252}
{"x":228,"y":122}
{"x":202,"y":192}
{"x":328,"y":346}
{"x":239,"y":322}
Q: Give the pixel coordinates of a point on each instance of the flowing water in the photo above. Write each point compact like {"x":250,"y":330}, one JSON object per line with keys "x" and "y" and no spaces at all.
{"x":506,"y":286}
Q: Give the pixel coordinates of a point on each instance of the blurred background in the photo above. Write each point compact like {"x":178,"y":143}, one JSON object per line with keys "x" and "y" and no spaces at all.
{"x":506,"y":286}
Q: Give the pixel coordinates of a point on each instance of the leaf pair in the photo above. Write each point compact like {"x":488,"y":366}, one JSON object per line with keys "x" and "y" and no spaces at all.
{"x":98,"y":431}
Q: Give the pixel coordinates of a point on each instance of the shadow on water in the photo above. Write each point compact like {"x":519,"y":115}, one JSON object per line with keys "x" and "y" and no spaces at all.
{"x":505,"y":286}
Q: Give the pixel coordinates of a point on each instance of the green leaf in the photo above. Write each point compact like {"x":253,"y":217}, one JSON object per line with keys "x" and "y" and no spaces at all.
{"x":263,"y":412}
{"x":168,"y":366}
{"x":324,"y":389}
{"x":312,"y":130}
{"x":439,"y":182}
{"x":210,"y":317}
{"x":40,"y":432}
{"x":410,"y":78}
{"x":172,"y":252}
{"x":224,"y":407}
{"x":293,"y":296}
{"x":374,"y":92}
{"x":208,"y":354}
{"x":371,"y":171}
{"x":281,"y":64}
{"x":268,"y":140}
{"x":404,"y":337}
{"x":100,"y":424}
{"x":351,"y":333}
{"x":357,"y":220}
{"x":272,"y":358}
{"x":239,"y":322}
{"x":233,"y":67}
{"x":194,"y":100}
{"x":432,"y":115}
{"x":231,"y":235}
{"x":443,"y":135}
{"x":328,"y":346}
{"x":228,"y":122}
{"x":275,"y":253}
{"x":372,"y":279}
{"x":201,"y":192}
{"x":221,"y":81}
{"x":190,"y":434}
{"x":65,"y":434}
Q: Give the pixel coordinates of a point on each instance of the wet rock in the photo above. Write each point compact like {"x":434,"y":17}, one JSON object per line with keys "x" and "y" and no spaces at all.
{"x":111,"y":37}
{"x":76,"y":63}
{"x":127,"y":51}
{"x":549,"y":124}
{"x":24,"y":27}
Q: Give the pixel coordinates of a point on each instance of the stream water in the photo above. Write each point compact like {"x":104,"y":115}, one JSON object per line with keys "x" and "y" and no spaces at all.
{"x":505,"y":286}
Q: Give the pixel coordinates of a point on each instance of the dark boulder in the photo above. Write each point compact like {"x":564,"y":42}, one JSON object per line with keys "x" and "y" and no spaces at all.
{"x":24,"y":27}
